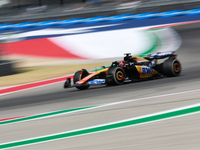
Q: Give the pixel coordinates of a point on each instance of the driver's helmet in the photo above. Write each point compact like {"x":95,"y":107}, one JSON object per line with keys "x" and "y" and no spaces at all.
{"x":122,"y":64}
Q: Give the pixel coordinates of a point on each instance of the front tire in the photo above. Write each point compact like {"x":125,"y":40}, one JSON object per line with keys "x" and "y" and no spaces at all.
{"x":171,"y":67}
{"x":80,"y":75}
{"x":116,"y":76}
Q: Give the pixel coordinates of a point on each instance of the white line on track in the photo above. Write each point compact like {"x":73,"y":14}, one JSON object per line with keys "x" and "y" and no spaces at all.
{"x":114,"y":103}
{"x":126,"y":101}
{"x":102,"y":125}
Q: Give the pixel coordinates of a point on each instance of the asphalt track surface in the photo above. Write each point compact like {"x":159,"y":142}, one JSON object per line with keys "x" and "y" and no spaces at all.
{"x":179,"y":133}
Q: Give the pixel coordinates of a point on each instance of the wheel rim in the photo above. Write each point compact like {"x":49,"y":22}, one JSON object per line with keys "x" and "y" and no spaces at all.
{"x":177,"y":67}
{"x":120,"y":75}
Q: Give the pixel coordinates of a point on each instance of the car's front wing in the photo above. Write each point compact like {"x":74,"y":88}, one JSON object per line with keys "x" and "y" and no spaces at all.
{"x":91,"y":82}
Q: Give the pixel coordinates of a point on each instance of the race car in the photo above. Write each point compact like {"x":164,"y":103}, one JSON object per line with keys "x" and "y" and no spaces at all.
{"x":130,"y":69}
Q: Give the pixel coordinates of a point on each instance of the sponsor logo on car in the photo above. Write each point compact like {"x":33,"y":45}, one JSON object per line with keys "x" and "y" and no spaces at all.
{"x":97,"y":81}
{"x":161,"y":54}
{"x":147,"y":70}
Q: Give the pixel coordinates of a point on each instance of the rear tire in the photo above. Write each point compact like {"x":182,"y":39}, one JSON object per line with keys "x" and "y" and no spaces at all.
{"x":78,"y":76}
{"x":116,"y":76}
{"x":171,"y":67}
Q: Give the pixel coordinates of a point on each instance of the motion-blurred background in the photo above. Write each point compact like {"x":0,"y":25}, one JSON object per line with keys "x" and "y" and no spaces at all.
{"x":37,"y":36}
{"x":17,"y":10}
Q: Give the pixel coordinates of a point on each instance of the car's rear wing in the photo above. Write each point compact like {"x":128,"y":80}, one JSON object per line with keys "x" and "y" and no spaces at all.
{"x":161,"y":55}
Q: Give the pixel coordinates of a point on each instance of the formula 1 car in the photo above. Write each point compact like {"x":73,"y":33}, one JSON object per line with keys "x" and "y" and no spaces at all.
{"x":131,"y":68}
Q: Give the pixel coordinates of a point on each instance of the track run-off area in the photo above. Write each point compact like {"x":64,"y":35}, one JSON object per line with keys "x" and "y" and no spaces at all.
{"x":154,"y":114}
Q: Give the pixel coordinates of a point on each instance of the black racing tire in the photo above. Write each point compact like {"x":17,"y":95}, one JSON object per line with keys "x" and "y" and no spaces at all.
{"x":116,"y":76}
{"x":171,"y":67}
{"x":78,"y":76}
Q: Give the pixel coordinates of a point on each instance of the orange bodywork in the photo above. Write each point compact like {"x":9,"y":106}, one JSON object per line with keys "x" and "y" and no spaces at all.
{"x":92,"y":75}
{"x":146,"y":72}
{"x":141,"y":69}
{"x":139,"y":59}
